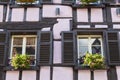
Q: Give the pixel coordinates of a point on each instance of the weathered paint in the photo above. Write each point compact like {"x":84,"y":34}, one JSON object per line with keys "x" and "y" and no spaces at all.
{"x":100,"y":74}
{"x":84,"y":75}
{"x":45,"y":73}
{"x":82,"y":15}
{"x":95,"y":13}
{"x":32,"y":14}
{"x":17,"y":14}
{"x":12,"y":75}
{"x":50,"y":11}
{"x":62,"y":73}
{"x":26,"y":75}
{"x":62,"y":25}
{"x":57,"y":52}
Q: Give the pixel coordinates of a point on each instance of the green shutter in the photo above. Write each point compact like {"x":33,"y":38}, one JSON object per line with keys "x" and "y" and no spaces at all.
{"x":68,"y":47}
{"x":113,"y":48}
{"x":45,"y":47}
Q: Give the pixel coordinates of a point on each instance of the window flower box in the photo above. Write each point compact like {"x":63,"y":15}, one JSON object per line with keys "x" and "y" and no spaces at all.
{"x":26,"y":2}
{"x":93,"y":61}
{"x":88,"y":2}
{"x":20,"y":61}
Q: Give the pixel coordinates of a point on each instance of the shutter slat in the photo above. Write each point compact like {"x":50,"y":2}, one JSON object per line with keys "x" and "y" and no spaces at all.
{"x":46,"y":47}
{"x":4,"y":0}
{"x":113,"y":48}
{"x":68,"y":1}
{"x":68,"y":47}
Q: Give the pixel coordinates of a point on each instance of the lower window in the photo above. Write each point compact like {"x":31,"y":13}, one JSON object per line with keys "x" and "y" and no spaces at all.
{"x":24,"y":44}
{"x":88,"y":43}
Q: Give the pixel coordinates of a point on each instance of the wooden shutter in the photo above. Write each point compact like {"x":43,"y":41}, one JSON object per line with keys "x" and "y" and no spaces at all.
{"x":68,"y":1}
{"x":113,"y":48}
{"x":45,"y":45}
{"x":110,"y":1}
{"x":46,"y":1}
{"x":1,"y":74}
{"x":68,"y":47}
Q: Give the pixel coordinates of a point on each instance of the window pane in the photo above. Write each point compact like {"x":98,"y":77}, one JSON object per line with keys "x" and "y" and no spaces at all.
{"x":17,"y":41}
{"x":30,"y":50}
{"x":95,"y":41}
{"x":83,"y":41}
{"x":17,"y":50}
{"x":96,"y":49}
{"x":83,"y":50}
{"x":30,"y":41}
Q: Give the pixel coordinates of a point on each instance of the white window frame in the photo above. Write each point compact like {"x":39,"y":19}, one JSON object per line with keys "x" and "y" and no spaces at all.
{"x":23,"y":44}
{"x":89,"y":43}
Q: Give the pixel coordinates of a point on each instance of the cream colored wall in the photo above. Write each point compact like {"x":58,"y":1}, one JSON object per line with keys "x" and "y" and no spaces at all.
{"x":82,"y":15}
{"x":57,"y":52}
{"x":62,"y":25}
{"x":115,"y":18}
{"x":96,"y":15}
{"x":62,"y":73}
{"x":100,"y":74}
{"x":45,"y":73}
{"x":29,"y":75}
{"x":1,"y":13}
{"x":118,"y":72}
{"x":12,"y":75}
{"x":17,"y":14}
{"x":57,"y":1}
{"x":50,"y":11}
{"x":32,"y":14}
{"x":84,"y":75}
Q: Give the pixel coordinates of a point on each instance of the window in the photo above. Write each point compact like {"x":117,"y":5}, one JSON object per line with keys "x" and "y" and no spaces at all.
{"x":24,"y":44}
{"x":89,"y":43}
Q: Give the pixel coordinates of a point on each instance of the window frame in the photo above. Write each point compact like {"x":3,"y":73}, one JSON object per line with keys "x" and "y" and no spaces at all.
{"x":24,"y":45}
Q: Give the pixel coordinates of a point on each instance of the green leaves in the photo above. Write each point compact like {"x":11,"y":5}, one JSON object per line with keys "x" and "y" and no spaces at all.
{"x":20,"y":61}
{"x":95,"y":61}
{"x":31,"y":1}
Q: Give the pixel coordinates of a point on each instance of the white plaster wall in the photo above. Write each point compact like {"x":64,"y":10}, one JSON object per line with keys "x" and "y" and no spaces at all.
{"x":100,"y":74}
{"x":83,"y":26}
{"x":45,"y":73}
{"x":7,"y":13}
{"x":57,"y":1}
{"x":101,"y":26}
{"x":96,"y":15}
{"x":115,"y":18}
{"x":62,"y":73}
{"x":82,"y":15}
{"x":12,"y":75}
{"x":50,"y":11}
{"x":116,"y":26}
{"x":45,"y":29}
{"x":57,"y":52}
{"x":118,"y":72}
{"x":1,"y":13}
{"x":29,"y":75}
{"x":32,"y":14}
{"x":84,"y":75}
{"x":17,"y":14}
{"x":62,"y":25}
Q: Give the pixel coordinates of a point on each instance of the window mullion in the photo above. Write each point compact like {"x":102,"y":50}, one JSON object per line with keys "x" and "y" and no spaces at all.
{"x":24,"y":45}
{"x":89,"y":44}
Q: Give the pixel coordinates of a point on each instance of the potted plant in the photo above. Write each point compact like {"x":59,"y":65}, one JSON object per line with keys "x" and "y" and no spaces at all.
{"x":20,"y":61}
{"x":86,"y":2}
{"x":94,"y":61}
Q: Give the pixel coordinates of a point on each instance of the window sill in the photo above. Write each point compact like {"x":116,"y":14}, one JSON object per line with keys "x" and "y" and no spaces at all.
{"x":88,"y":68}
{"x":10,"y":68}
{"x":97,"y":5}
